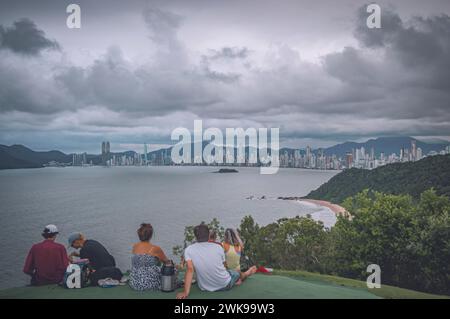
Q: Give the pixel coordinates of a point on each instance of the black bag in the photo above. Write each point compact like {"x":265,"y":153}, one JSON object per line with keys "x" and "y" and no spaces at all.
{"x":85,"y":269}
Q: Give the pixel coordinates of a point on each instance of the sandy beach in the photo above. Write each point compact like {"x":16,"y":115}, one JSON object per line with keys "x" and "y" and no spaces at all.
{"x":337,"y":209}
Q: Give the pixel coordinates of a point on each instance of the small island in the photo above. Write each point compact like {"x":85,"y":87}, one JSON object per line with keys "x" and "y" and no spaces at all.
{"x":227,"y":170}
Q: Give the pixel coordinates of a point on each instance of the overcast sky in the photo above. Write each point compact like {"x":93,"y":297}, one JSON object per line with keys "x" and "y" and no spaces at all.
{"x":138,"y":69}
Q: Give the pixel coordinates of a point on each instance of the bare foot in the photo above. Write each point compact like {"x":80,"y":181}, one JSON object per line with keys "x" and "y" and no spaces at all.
{"x":251,"y":271}
{"x":238,"y":283}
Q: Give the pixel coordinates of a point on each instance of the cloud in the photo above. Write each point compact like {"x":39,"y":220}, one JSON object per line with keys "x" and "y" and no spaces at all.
{"x":393,"y":81}
{"x":162,"y":25}
{"x":229,"y":53}
{"x":401,"y":69}
{"x":119,"y":85}
{"x":419,"y":44}
{"x":24,"y":37}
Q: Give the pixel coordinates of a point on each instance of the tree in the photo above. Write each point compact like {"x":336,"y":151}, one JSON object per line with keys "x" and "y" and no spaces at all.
{"x":409,"y":241}
{"x":189,"y":237}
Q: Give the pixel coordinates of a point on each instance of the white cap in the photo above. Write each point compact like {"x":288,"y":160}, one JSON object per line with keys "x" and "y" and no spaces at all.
{"x":51,"y":229}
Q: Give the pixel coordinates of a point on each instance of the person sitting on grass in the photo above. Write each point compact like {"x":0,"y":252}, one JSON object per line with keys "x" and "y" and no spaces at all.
{"x":145,"y":271}
{"x":102,"y":263}
{"x":233,"y":247}
{"x":47,"y":261}
{"x":208,"y":261}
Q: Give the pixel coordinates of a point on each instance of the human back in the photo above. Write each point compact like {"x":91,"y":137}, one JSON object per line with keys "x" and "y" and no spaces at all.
{"x":232,"y":256}
{"x":233,"y":247}
{"x":145,"y":271}
{"x":47,"y":261}
{"x":98,"y":255}
{"x":208,"y":259}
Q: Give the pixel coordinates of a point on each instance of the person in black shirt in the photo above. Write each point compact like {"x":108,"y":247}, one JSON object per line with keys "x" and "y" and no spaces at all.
{"x":101,"y":261}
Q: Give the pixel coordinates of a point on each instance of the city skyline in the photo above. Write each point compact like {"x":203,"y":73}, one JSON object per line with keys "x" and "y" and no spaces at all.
{"x":358,"y":157}
{"x":137,"y":70}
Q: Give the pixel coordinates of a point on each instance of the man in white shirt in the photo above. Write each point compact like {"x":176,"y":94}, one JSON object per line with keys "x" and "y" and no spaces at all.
{"x":207,"y":259}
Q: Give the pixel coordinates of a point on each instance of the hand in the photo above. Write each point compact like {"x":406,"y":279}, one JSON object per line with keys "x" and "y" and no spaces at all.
{"x":182,"y":295}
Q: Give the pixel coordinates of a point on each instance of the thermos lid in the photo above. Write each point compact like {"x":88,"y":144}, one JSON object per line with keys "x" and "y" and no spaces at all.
{"x":168,"y":270}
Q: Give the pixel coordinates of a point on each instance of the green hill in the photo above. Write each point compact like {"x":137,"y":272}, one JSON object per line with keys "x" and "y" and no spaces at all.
{"x":411,"y":178}
{"x":19,"y":156}
{"x":286,"y":285}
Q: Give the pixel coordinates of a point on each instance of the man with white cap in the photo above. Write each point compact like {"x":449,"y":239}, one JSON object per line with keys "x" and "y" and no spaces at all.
{"x":47,"y":261}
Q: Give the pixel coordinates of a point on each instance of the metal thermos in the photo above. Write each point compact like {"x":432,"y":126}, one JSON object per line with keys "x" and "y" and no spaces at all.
{"x":168,"y":277}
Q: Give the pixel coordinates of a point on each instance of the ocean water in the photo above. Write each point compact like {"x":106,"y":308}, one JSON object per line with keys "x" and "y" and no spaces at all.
{"x":108,"y":204}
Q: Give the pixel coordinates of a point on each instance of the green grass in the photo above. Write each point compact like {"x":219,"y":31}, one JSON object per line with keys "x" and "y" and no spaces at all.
{"x":386,"y":291}
{"x":280,"y":284}
{"x":258,"y":286}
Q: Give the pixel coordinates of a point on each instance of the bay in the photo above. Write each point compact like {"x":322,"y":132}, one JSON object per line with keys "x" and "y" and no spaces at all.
{"x":108,"y":204}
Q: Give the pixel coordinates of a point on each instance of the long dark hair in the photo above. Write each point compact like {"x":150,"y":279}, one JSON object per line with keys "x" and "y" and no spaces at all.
{"x":232,"y":237}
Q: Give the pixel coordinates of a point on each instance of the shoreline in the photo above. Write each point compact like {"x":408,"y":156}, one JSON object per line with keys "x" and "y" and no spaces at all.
{"x":335,"y":208}
{"x":338,"y":210}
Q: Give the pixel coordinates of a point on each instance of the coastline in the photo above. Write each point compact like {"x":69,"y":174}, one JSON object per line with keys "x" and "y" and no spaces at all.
{"x":335,"y":208}
{"x":338,"y":210}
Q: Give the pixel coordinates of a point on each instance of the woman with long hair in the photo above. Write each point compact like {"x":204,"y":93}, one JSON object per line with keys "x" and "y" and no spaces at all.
{"x":233,"y":247}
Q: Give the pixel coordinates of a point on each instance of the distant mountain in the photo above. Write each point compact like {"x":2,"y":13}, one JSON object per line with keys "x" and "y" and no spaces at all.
{"x":9,"y":161}
{"x":433,"y":140}
{"x":388,"y":145}
{"x":19,"y":156}
{"x":399,"y":178}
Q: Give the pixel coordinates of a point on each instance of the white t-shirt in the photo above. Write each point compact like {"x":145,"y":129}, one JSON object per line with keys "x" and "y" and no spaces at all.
{"x":208,"y":259}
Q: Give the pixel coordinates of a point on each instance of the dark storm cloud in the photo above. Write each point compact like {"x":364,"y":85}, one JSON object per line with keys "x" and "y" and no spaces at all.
{"x":24,"y":37}
{"x":422,"y":44}
{"x":394,"y":81}
{"x":402,"y":68}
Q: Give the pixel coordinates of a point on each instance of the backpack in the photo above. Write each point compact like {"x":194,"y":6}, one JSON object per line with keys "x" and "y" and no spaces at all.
{"x":77,"y":275}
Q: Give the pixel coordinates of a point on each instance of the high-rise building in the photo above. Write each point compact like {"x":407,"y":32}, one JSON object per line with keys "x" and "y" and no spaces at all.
{"x":308,"y":158}
{"x":413,"y":150}
{"x":349,"y":159}
{"x":419,"y":154}
{"x":145,"y":154}
{"x":105,"y":153}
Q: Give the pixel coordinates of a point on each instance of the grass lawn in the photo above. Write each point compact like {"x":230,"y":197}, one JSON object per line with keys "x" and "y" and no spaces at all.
{"x":281,"y":284}
{"x":389,"y":292}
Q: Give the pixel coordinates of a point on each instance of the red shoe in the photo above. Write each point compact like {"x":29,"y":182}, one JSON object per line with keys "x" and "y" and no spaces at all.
{"x":264,"y":270}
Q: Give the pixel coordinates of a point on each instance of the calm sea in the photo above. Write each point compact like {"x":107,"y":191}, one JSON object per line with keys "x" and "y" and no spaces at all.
{"x":108,"y":204}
